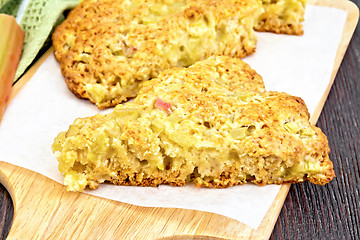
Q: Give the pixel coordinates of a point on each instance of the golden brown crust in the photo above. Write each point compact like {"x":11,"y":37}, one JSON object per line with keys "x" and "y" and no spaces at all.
{"x":212,"y":124}
{"x":282,"y":17}
{"x":226,"y":179}
{"x":108,"y":48}
{"x":278,"y":26}
{"x":136,"y":179}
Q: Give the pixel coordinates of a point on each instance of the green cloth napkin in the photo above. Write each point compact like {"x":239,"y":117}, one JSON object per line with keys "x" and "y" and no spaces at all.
{"x":10,"y":7}
{"x":38,"y":21}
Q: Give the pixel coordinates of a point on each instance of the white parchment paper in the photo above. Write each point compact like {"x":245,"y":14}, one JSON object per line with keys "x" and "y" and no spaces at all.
{"x":299,"y":65}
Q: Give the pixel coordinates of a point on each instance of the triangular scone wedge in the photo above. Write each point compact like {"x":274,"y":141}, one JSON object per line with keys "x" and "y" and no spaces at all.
{"x":108,"y":48}
{"x":212,"y":124}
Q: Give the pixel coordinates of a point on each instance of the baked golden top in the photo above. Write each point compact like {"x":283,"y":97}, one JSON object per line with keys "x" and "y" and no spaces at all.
{"x":212,"y":124}
{"x":108,"y":48}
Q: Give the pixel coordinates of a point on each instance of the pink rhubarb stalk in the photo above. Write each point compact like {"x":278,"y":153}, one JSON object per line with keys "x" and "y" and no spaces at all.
{"x":11,"y":45}
{"x":164,"y":106}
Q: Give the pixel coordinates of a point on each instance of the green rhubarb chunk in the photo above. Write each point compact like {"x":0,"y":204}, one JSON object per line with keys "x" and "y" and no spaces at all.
{"x":126,"y":114}
{"x":239,"y":133}
{"x":292,"y":127}
{"x":307,"y":132}
{"x":96,"y":92}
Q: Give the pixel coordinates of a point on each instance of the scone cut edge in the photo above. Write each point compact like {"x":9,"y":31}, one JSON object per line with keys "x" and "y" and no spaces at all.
{"x":282,"y":17}
{"x":212,"y":124}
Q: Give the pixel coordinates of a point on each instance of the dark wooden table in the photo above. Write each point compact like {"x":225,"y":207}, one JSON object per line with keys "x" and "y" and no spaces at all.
{"x":312,"y":212}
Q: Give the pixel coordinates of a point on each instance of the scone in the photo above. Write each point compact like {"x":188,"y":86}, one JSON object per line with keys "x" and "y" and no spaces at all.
{"x":282,"y":16}
{"x":108,"y":48}
{"x":212,"y":124}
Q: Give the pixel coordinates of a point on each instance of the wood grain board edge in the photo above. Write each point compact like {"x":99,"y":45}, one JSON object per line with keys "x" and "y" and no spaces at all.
{"x":27,"y":187}
{"x":109,"y":219}
{"x":349,"y":28}
{"x":45,"y":210}
{"x":267,"y":224}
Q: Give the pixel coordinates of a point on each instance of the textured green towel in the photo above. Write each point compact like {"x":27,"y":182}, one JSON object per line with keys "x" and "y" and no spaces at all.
{"x":38,"y":21}
{"x":10,"y":7}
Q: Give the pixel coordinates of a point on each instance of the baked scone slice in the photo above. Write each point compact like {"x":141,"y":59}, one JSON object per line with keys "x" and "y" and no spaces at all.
{"x":107,"y":49}
{"x":282,"y":16}
{"x":212,"y":124}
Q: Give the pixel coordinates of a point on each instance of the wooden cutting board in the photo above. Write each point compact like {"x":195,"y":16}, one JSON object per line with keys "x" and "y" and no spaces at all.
{"x":44,"y":210}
